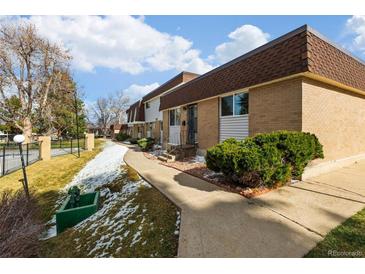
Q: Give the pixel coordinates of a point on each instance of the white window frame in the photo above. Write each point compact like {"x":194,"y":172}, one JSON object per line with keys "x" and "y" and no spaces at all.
{"x":233,"y":109}
{"x":175,"y":124}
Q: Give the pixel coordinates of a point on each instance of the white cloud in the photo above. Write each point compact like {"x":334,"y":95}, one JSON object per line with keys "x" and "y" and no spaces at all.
{"x":243,"y":39}
{"x":136,"y":92}
{"x":119,"y":42}
{"x":356,"y":25}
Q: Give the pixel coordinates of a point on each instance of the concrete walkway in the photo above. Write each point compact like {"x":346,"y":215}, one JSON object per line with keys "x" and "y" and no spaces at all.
{"x":283,"y":223}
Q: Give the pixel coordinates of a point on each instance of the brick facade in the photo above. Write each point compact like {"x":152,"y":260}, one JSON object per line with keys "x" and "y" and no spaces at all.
{"x":184,"y":125}
{"x":336,"y":117}
{"x":275,"y":107}
{"x":165,"y":122}
{"x":208,"y":123}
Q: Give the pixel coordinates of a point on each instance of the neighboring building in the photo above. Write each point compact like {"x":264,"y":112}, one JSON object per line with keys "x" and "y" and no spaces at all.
{"x":116,"y":128}
{"x":299,"y":81}
{"x":135,"y":120}
{"x":98,"y":132}
{"x":144,"y":116}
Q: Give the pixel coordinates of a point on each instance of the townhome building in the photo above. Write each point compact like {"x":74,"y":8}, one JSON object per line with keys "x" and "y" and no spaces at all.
{"x":145,"y":117}
{"x":300,"y":81}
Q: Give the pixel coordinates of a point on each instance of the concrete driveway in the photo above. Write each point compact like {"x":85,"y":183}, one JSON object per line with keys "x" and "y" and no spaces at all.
{"x":287,"y":222}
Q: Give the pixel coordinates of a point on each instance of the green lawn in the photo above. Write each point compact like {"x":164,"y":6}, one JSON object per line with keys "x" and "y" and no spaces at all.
{"x":46,"y":178}
{"x":130,"y":223}
{"x":346,"y":240}
{"x":67,"y":143}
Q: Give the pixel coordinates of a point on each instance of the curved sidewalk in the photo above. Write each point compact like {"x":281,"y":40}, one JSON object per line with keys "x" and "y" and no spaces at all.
{"x":216,"y":223}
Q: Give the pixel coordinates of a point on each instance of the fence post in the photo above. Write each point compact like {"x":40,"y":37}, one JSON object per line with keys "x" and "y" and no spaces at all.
{"x":89,"y":141}
{"x":71,"y":145}
{"x":3,"y":171}
{"x":44,"y":147}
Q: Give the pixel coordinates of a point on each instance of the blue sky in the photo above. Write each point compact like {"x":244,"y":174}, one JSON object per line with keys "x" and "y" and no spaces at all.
{"x":136,"y":54}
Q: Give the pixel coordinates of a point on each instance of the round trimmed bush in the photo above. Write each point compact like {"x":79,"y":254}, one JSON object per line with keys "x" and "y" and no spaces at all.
{"x":266,"y":159}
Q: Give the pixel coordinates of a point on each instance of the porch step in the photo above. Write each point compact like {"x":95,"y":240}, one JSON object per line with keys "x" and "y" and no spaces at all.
{"x":169,"y":156}
{"x":165,"y":157}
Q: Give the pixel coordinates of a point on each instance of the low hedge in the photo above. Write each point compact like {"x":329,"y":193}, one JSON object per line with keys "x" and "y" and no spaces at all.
{"x":121,"y":137}
{"x":266,"y":159}
{"x":146,"y":143}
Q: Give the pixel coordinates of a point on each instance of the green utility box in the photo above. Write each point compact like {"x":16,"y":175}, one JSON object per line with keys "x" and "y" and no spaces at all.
{"x":68,"y":217}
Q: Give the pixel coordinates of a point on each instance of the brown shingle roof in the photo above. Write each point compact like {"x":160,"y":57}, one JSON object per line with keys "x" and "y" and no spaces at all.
{"x":298,"y":51}
{"x":327,"y":60}
{"x":182,"y":77}
{"x":118,"y":126}
{"x":136,"y":107}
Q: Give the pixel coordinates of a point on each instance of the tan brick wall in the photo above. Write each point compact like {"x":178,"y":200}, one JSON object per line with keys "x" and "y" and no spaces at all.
{"x":336,"y":117}
{"x":138,"y":128}
{"x":135,"y":131}
{"x":165,"y":121}
{"x":275,"y":107}
{"x":45,"y":147}
{"x":208,"y":123}
{"x":89,"y":141}
{"x":156,"y":131}
{"x":184,"y":128}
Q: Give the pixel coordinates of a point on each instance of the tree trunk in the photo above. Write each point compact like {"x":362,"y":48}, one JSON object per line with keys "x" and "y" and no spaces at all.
{"x":27,"y":130}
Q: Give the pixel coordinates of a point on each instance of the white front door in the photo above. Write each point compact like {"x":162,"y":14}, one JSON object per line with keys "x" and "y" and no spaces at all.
{"x":174,"y":135}
{"x":174,"y":126}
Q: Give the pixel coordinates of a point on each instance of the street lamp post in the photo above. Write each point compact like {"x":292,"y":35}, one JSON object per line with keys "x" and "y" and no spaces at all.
{"x":77,"y":124}
{"x":77,"y":121}
{"x":19,"y":139}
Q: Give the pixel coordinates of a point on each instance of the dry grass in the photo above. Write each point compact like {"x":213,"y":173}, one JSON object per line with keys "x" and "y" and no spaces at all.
{"x":46,"y":178}
{"x":19,"y":225}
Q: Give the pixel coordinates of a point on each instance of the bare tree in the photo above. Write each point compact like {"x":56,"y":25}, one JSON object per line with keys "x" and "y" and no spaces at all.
{"x":110,"y":110}
{"x":30,"y":70}
{"x":103,"y":115}
{"x":119,"y":105}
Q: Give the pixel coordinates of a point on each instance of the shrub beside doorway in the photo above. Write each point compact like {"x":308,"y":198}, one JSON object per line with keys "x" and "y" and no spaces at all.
{"x":268,"y":160}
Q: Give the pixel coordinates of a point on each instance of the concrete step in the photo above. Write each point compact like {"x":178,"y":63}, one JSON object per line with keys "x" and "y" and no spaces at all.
{"x":169,"y":156}
{"x":165,"y":157}
{"x":162,"y":158}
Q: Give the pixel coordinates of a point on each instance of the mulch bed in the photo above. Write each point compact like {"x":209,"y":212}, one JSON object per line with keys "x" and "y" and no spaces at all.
{"x":200,"y":171}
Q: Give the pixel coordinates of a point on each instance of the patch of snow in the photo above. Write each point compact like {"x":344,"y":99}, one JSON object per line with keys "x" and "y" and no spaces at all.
{"x":111,"y":224}
{"x":103,"y":169}
{"x":50,"y":233}
{"x":177,"y":224}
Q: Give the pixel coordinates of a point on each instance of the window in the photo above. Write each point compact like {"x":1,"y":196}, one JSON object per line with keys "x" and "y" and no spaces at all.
{"x":175,"y":117}
{"x":234,"y":105}
{"x":227,"y":106}
{"x":241,"y":103}
{"x":147,"y":104}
